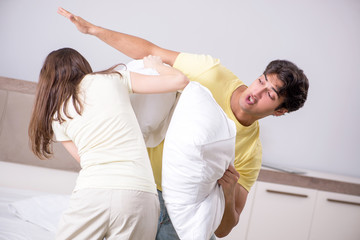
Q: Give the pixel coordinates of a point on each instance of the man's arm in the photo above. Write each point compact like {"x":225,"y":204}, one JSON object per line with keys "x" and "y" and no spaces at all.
{"x":235,"y":199}
{"x":131,"y":46}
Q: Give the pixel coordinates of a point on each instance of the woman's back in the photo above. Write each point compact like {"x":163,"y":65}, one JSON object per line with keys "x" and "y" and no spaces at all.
{"x":107,"y":135}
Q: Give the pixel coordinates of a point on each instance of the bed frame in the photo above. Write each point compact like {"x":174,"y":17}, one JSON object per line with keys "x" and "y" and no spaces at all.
{"x":16,"y":104}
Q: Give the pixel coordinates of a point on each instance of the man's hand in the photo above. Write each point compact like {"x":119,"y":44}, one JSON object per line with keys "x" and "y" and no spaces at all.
{"x":235,"y":198}
{"x":82,"y":25}
{"x":228,"y":182}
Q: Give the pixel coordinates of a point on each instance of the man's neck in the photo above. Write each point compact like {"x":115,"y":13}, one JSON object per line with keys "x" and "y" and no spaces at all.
{"x":243,"y":118}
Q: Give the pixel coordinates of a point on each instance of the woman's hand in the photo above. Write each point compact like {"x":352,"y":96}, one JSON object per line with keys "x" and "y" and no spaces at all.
{"x":169,"y":79}
{"x":152,"y":62}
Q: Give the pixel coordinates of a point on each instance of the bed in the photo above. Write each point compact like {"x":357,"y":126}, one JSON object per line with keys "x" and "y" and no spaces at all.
{"x":12,"y":227}
{"x":28,"y":185}
{"x":15,"y":225}
{"x":32,"y":200}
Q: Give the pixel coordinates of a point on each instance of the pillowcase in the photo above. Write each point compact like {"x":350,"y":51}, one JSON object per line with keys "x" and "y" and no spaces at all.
{"x":44,"y":211}
{"x":199,"y":146}
{"x":153,"y":111}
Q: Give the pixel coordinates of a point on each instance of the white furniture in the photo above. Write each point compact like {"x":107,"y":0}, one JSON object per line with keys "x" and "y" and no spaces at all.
{"x":281,"y":212}
{"x":336,"y":216}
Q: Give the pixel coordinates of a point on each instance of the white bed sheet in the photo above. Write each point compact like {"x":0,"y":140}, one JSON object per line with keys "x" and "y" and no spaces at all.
{"x":14,"y":228}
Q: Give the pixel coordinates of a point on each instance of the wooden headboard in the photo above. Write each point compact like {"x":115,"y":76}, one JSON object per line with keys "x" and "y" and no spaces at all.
{"x":16,"y":104}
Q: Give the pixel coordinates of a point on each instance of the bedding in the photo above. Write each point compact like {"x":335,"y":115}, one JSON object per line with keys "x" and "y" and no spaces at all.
{"x":32,"y":200}
{"x":199,"y":146}
{"x":29,"y":215}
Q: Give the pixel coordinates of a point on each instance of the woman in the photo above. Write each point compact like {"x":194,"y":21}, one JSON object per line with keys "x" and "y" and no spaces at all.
{"x":115,"y":195}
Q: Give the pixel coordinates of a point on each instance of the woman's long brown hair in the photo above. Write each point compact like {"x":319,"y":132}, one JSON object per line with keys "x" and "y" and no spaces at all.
{"x":59,"y":81}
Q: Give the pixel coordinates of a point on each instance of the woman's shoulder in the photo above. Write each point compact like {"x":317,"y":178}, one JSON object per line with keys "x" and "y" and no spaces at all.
{"x":100,"y":77}
{"x":105,"y":80}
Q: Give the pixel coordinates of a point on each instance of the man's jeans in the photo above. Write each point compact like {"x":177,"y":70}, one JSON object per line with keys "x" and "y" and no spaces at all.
{"x":165,"y":230}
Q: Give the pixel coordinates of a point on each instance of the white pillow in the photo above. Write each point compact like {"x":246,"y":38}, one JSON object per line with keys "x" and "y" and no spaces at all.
{"x":199,"y":146}
{"x":44,"y":211}
{"x":153,"y":111}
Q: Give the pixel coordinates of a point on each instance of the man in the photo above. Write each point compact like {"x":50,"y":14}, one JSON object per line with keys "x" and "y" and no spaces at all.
{"x":280,"y":89}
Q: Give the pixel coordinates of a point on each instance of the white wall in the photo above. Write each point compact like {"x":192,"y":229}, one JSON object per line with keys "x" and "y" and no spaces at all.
{"x":320,"y":36}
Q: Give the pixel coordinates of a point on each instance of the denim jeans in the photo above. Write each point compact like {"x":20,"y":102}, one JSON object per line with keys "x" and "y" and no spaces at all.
{"x":165,"y":230}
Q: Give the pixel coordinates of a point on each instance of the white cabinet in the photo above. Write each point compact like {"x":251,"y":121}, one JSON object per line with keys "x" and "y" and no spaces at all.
{"x":336,"y":216}
{"x":281,"y":212}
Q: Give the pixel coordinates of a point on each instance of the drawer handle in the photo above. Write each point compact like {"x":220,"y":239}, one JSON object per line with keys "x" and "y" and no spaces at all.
{"x":287,"y":193}
{"x":343,"y":202}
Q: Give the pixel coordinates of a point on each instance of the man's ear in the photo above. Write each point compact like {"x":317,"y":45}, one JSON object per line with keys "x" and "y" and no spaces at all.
{"x":280,"y":112}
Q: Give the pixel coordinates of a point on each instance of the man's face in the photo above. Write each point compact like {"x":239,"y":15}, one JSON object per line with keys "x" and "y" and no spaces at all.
{"x":261,"y":98}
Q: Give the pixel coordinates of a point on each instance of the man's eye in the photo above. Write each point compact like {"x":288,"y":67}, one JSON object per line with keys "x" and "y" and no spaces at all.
{"x":271,"y":96}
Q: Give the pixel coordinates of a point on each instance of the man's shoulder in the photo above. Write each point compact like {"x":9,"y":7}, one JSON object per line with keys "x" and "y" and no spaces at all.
{"x":198,"y":58}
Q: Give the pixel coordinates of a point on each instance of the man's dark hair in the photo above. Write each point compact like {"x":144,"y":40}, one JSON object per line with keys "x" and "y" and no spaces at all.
{"x":295,"y":86}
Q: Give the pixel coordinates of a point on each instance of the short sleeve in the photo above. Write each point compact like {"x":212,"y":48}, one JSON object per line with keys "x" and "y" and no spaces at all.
{"x":250,"y":169}
{"x":193,"y":65}
{"x":127,"y":80}
{"x":59,"y":132}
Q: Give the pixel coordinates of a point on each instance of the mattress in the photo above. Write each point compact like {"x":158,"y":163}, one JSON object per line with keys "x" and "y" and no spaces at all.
{"x":32,"y":200}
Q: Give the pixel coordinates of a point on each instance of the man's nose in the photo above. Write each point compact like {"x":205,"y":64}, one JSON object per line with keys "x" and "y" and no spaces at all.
{"x":259,"y":92}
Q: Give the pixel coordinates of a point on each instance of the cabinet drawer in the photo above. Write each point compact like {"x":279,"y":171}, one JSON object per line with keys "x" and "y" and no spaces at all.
{"x":281,"y":212}
{"x":336,"y":216}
